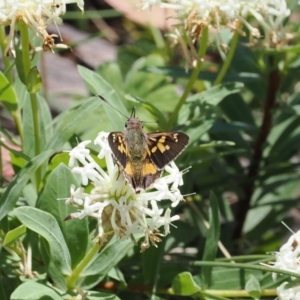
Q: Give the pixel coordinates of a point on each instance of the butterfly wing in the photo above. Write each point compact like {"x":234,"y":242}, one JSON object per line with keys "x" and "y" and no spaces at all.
{"x":118,"y":147}
{"x":142,"y":178}
{"x":166,"y":146}
{"x":163,"y":147}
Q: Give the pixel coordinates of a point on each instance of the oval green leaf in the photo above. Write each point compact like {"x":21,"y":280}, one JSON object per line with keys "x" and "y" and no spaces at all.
{"x":75,"y":231}
{"x":253,"y":287}
{"x":184,"y":284}
{"x":216,"y":94}
{"x":213,"y":235}
{"x":105,"y":261}
{"x":31,"y":290}
{"x":13,"y":235}
{"x":7,"y":94}
{"x":34,"y":81}
{"x":15,"y":188}
{"x":69,"y":122}
{"x":45,"y":225}
{"x":99,"y":86}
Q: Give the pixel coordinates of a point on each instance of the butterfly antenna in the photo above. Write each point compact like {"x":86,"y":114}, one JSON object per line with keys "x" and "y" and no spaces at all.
{"x":133,"y":112}
{"x":103,"y":99}
{"x":157,"y":122}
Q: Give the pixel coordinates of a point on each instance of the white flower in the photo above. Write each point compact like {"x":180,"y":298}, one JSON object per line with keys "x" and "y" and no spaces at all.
{"x":222,"y":11}
{"x":80,"y":153}
{"x":288,"y":259}
{"x":194,"y":15}
{"x":37,"y":14}
{"x":76,"y":195}
{"x":288,"y":293}
{"x":114,"y":203}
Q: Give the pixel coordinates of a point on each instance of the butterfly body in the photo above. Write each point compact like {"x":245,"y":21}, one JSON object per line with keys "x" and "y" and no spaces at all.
{"x":135,"y":140}
{"x":143,"y":156}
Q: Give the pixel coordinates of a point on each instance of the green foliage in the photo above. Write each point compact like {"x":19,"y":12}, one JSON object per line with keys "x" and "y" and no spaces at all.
{"x":34,"y":290}
{"x":34,"y":81}
{"x":46,"y":226}
{"x":243,"y":181}
{"x":184,"y":285}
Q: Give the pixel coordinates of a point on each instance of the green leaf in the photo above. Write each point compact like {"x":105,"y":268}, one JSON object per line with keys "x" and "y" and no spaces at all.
{"x":197,"y":129}
{"x":27,"y":120}
{"x":116,"y":274}
{"x":179,"y":72}
{"x":163,"y":98}
{"x":280,"y":133}
{"x":45,"y":119}
{"x":258,"y":218}
{"x":13,"y":235}
{"x":152,"y":109}
{"x":2,"y":290}
{"x":34,"y":81}
{"x":216,"y":94}
{"x":178,"y":235}
{"x":18,"y":160}
{"x":112,"y":73}
{"x":221,"y":130}
{"x":151,"y":262}
{"x":233,"y":278}
{"x":45,"y":225}
{"x":293,"y":48}
{"x":212,"y":239}
{"x":15,"y":188}
{"x":105,"y":261}
{"x":109,"y":257}
{"x":253,"y":287}
{"x":75,"y":231}
{"x":69,"y":122}
{"x":184,"y":285}
{"x":31,"y":290}
{"x":92,"y":295}
{"x":19,"y":62}
{"x":53,"y":271}
{"x":237,"y":110}
{"x":140,"y":83}
{"x":7,"y":94}
{"x":21,"y":91}
{"x":99,"y":86}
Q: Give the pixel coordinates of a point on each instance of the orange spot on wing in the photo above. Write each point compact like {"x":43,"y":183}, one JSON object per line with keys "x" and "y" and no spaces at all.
{"x":128,"y":169}
{"x":149,"y":168}
{"x":153,"y":149}
{"x":161,"y":147}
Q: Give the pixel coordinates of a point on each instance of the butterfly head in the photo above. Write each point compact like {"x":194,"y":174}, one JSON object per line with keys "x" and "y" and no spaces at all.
{"x":134,"y":123}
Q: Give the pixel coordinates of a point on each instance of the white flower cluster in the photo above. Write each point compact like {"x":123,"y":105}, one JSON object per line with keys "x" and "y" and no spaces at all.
{"x":224,"y":10}
{"x":194,"y":15}
{"x":288,"y":259}
{"x":37,"y":14}
{"x":113,"y":202}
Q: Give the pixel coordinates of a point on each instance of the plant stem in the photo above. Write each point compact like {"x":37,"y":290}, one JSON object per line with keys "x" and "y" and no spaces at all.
{"x":9,"y":75}
{"x":33,"y":97}
{"x":243,"y":266}
{"x":35,"y":114}
{"x":1,"y":166}
{"x":193,"y":78}
{"x":6,"y":60}
{"x":243,"y":205}
{"x":233,"y":293}
{"x":229,"y":57}
{"x":25,"y":47}
{"x":75,"y":275}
